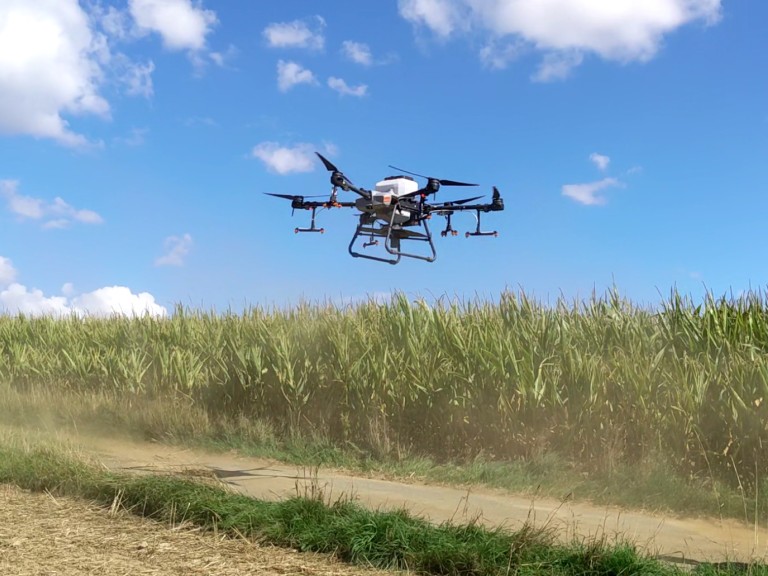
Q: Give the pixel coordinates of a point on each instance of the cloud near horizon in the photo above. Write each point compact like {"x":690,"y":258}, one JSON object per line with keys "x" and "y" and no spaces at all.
{"x":15,"y":298}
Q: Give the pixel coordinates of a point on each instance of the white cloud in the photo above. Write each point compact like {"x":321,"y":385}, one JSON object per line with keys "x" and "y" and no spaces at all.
{"x":589,"y":193}
{"x":222,"y":58}
{"x":50,"y":66}
{"x":176,"y":249}
{"x":137,"y":78}
{"x":295,"y":34}
{"x":16,"y":298}
{"x":497,"y":55}
{"x":116,"y":23}
{"x":600,"y":160}
{"x":57,"y":214}
{"x":566,"y":30}
{"x":285,"y":160}
{"x":340,"y":86}
{"x":109,"y":301}
{"x":443,"y":17}
{"x":182,"y":24}
{"x":116,"y":300}
{"x":289,"y":74}
{"x":557,"y":65}
{"x":7,"y":271}
{"x":357,"y":52}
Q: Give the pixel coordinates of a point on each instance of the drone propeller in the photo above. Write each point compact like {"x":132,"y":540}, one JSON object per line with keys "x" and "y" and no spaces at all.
{"x":292,"y":197}
{"x":440,"y":181}
{"x":328,"y":164}
{"x":462,"y":201}
{"x":337,"y":176}
{"x":296,"y":201}
{"x":339,"y":179}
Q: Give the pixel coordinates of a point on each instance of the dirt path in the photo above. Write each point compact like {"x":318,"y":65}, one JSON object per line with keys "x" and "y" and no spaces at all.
{"x":700,"y":539}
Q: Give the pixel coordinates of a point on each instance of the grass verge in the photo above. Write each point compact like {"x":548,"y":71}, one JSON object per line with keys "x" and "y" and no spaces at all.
{"x":651,"y":485}
{"x":308,"y":522}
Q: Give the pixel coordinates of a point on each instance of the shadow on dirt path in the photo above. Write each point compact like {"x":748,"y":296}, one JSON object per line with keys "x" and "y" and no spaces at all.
{"x":682,"y":538}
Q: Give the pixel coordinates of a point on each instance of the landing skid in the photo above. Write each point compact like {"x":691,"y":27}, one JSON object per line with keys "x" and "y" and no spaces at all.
{"x":393,"y":237}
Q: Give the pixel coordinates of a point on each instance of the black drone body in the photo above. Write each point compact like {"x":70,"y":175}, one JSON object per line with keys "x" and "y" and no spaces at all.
{"x":396,"y":210}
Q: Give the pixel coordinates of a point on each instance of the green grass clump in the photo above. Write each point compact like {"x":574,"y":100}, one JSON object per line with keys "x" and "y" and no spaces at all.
{"x":387,"y":539}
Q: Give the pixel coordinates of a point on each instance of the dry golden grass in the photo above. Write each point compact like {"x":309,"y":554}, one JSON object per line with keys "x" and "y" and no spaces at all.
{"x":43,"y":535}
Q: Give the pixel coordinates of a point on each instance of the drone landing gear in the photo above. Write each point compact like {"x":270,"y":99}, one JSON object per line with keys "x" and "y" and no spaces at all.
{"x":479,"y":232}
{"x":312,"y":227}
{"x":393,"y":237}
{"x":448,"y":228}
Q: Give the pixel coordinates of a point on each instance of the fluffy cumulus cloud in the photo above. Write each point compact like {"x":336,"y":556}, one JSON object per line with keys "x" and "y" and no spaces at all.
{"x":52,"y":214}
{"x":600,"y":160}
{"x":589,"y":194}
{"x":176,"y":250}
{"x":285,"y":159}
{"x":50,"y":67}
{"x":296,"y":34}
{"x":443,"y":17}
{"x":340,"y":86}
{"x":357,"y":52}
{"x":290,"y":74}
{"x":182,"y":24}
{"x":566,"y":30}
{"x":16,"y":298}
{"x":56,"y":56}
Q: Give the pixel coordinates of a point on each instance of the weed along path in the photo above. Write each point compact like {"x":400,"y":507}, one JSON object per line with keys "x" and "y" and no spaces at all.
{"x":688,"y":538}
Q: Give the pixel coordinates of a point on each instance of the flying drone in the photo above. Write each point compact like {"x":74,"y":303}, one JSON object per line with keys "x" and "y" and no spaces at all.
{"x":396,"y":211}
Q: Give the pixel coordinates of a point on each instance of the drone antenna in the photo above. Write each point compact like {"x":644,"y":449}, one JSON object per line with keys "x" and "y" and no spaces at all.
{"x":407,"y":171}
{"x":441,"y":181}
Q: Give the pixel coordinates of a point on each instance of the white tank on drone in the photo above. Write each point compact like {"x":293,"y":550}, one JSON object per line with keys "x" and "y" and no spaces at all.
{"x":393,"y":186}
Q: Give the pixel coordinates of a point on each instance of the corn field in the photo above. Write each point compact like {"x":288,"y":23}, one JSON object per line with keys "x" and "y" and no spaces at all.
{"x":602,"y":382}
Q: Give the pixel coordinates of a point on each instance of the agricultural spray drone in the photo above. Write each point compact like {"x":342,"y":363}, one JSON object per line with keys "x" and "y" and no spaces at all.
{"x":396,"y":210}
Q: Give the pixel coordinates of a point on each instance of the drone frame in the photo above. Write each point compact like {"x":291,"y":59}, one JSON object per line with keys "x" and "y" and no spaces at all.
{"x":394,"y":234}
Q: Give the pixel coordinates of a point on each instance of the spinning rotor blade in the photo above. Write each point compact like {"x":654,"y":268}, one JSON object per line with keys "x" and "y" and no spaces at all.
{"x":446,"y":206}
{"x":286,"y":196}
{"x":292,"y":196}
{"x":438,"y":180}
{"x":463,"y":200}
{"x":338,"y":178}
{"x":328,"y":164}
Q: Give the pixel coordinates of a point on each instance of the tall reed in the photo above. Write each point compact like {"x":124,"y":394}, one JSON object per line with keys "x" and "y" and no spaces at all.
{"x":602,"y":381}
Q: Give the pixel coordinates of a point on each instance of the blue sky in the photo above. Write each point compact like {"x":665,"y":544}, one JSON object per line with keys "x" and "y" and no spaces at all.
{"x":629,"y":140}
